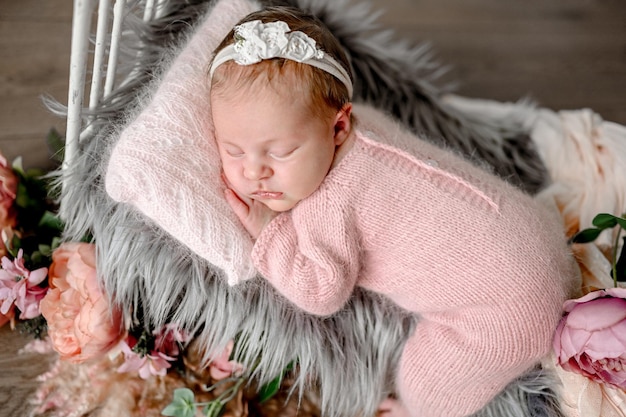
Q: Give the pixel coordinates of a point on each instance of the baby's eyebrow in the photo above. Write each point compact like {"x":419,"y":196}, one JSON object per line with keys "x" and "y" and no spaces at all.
{"x":225,"y":142}
{"x":229,"y":147}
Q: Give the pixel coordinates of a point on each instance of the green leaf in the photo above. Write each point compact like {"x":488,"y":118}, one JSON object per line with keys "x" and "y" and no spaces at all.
{"x":51,"y":221}
{"x":56,"y":242}
{"x":45,"y":250}
{"x":213,"y":408}
{"x":604,"y":221}
{"x":170,"y":410}
{"x":13,"y":247}
{"x":183,"y":404}
{"x":620,"y":265}
{"x":22,"y":198}
{"x":184,"y":394}
{"x":586,"y":235}
{"x":36,"y":257}
{"x":270,"y":389}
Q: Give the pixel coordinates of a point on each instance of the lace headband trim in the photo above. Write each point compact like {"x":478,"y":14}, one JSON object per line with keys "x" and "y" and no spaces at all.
{"x":256,"y":41}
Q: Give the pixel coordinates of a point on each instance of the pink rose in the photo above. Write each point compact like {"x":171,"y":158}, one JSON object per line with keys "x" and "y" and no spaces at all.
{"x":81,"y":323}
{"x":591,"y":338}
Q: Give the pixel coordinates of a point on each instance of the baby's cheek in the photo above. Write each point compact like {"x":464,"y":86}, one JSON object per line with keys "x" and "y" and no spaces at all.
{"x":230,"y":170}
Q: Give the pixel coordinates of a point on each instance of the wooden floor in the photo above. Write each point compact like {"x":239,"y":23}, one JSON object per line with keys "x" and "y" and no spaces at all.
{"x":566,"y":54}
{"x":34,"y":60}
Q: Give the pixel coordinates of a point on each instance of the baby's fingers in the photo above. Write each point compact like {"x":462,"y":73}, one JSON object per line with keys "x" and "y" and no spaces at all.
{"x":240,"y":208}
{"x":228,"y":184}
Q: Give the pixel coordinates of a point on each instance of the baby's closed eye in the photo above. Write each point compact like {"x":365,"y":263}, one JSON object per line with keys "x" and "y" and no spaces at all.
{"x":233,"y":151}
{"x":282,"y":153}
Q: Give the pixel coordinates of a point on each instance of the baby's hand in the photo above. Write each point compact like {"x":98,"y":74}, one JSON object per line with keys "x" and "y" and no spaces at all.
{"x":253,"y":215}
{"x":390,"y":407}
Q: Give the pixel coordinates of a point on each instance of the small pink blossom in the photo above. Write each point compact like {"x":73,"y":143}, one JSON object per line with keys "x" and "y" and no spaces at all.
{"x":591,"y":338}
{"x":169,"y":339}
{"x":222,"y":367}
{"x":20,"y":288}
{"x":167,"y":343}
{"x":155,"y":363}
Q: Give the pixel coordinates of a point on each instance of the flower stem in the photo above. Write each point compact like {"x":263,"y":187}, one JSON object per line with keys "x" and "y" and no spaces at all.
{"x":232,"y":391}
{"x":227,"y":395}
{"x":614,"y":260}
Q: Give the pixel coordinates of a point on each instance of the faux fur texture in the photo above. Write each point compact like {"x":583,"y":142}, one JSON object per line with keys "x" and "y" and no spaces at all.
{"x":349,"y":357}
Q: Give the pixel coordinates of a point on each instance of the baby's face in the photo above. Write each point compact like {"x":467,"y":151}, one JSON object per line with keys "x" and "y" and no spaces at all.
{"x":273,"y":149}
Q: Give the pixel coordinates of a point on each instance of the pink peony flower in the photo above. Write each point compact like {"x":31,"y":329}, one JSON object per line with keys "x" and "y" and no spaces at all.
{"x":20,"y":288}
{"x":81,"y":323}
{"x":221,"y":367}
{"x":591,"y":338}
{"x":8,"y":192}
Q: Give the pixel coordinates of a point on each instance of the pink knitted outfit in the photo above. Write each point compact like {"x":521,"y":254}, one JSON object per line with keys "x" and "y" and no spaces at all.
{"x":485,"y":266}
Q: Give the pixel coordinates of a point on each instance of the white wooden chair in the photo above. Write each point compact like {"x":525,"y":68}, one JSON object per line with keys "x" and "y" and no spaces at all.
{"x":95,"y":51}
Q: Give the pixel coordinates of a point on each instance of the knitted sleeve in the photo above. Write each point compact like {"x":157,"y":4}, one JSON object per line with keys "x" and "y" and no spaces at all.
{"x":311,"y":255}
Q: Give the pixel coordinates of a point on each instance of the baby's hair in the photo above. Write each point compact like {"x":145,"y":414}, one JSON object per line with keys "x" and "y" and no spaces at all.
{"x":327,"y":94}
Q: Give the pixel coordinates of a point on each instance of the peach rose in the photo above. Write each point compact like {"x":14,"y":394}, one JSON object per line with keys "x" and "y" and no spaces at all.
{"x":81,"y":323}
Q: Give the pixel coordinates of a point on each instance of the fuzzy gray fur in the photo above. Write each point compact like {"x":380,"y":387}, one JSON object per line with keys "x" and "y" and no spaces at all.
{"x":349,"y":357}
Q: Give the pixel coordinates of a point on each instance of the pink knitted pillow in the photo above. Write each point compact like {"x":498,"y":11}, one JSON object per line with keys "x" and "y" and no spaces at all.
{"x":166,"y":163}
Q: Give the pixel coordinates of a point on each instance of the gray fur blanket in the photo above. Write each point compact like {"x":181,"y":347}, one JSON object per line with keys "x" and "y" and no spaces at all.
{"x":348,"y":358}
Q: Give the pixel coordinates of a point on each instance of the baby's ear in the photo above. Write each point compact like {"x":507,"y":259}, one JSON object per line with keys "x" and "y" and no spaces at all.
{"x":343,"y":124}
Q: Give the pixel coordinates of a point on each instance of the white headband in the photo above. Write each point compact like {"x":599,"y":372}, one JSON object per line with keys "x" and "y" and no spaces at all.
{"x":256,"y":41}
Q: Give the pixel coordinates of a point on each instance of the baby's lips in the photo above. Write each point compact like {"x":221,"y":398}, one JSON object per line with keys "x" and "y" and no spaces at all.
{"x":273,"y":195}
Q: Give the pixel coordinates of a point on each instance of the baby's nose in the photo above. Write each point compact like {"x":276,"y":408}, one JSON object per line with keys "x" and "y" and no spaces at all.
{"x":256,"y":171}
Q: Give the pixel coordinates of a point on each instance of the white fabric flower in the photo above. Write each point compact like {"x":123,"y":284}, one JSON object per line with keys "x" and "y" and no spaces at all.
{"x":301,"y":47}
{"x":273,"y":38}
{"x":247,"y":43}
{"x":256,"y":41}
